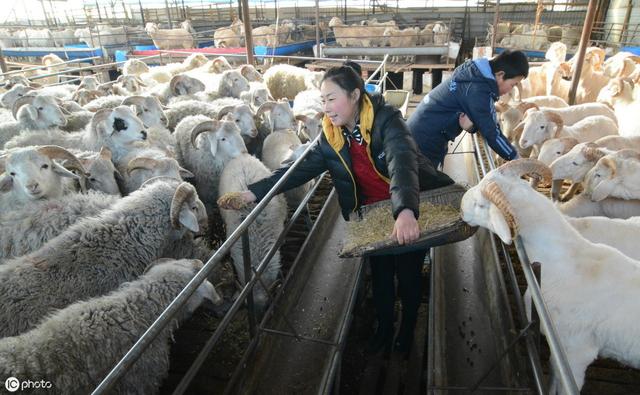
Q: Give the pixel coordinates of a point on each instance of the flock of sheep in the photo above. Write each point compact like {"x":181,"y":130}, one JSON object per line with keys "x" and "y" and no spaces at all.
{"x":107,"y":195}
{"x":586,"y":243}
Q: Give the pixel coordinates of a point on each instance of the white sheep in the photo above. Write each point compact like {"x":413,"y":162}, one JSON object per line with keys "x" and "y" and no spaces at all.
{"x":203,"y":147}
{"x":589,"y":288}
{"x":308,"y":110}
{"x":151,"y":113}
{"x":619,"y":142}
{"x":554,"y":148}
{"x":28,"y":227}
{"x":574,"y":166}
{"x":238,"y":173}
{"x":169,"y":38}
{"x":397,"y":38}
{"x":141,"y":169}
{"x":32,"y":113}
{"x":249,"y":72}
{"x":104,"y":102}
{"x":615,"y":175}
{"x":32,"y":174}
{"x":97,"y":254}
{"x":257,"y":95}
{"x":119,"y":130}
{"x":540,"y":126}
{"x":583,"y":206}
{"x":76,"y":347}
{"x":619,"y":95}
{"x":286,"y":81}
{"x":229,"y":37}
{"x":134,"y":66}
{"x":179,"y":85}
{"x":14,"y":93}
{"x":592,"y":80}
{"x":615,"y":232}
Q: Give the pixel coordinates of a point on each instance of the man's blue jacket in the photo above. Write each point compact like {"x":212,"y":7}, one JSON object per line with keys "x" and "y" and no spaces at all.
{"x":472,"y":89}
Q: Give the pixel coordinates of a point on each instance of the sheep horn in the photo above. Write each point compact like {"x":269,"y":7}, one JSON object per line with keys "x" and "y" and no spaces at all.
{"x":174,"y":82}
{"x":610,"y":163}
{"x":592,"y":152}
{"x":494,"y":194}
{"x":133,"y":100}
{"x":56,"y":152}
{"x":141,"y":163}
{"x":182,"y":194}
{"x":524,"y":106}
{"x":21,"y":102}
{"x":501,"y":107}
{"x":268,"y":106}
{"x":225,"y":110}
{"x":202,"y":127}
{"x":105,"y":153}
{"x":555,"y":118}
{"x":529,"y":166}
{"x":100,"y":116}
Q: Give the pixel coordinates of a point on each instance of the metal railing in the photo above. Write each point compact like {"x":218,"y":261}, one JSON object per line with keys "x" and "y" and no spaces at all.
{"x":558,"y":355}
{"x":167,"y":315}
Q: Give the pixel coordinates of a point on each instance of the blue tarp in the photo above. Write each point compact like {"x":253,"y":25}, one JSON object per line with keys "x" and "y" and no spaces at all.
{"x":64,"y":53}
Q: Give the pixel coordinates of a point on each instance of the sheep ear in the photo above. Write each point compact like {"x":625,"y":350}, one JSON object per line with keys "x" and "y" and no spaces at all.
{"x":499,"y":225}
{"x":302,"y":118}
{"x":188,"y":219}
{"x":602,"y":190}
{"x":61,"y":171}
{"x":184,"y":173}
{"x":6,"y":183}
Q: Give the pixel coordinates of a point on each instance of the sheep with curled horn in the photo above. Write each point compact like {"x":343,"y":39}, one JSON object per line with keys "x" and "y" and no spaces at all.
{"x":33,"y":173}
{"x":583,"y":282}
{"x":32,"y":113}
{"x":97,"y":254}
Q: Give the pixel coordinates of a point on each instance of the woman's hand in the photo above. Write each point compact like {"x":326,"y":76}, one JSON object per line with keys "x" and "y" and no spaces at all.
{"x":236,"y":200}
{"x":406,"y":228}
{"x":465,"y":122}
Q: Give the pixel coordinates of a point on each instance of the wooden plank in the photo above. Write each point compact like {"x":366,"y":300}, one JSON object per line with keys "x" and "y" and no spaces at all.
{"x":327,"y":64}
{"x":418,"y":66}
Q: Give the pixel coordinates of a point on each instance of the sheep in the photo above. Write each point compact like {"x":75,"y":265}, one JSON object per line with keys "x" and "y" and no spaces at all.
{"x":169,"y":38}
{"x":346,"y":36}
{"x":582,"y":283}
{"x":48,"y":60}
{"x":34,"y":113}
{"x":249,"y":72}
{"x":127,"y":85}
{"x":134,"y":67}
{"x":229,"y":83}
{"x":617,"y":143}
{"x":583,"y":206}
{"x":141,"y":169}
{"x":592,"y":80}
{"x":238,"y":173}
{"x":619,"y":95}
{"x":543,"y":125}
{"x":32,"y":174}
{"x":397,"y":38}
{"x":162,"y":74}
{"x":182,"y":109}
{"x":203,"y":146}
{"x":62,"y":348}
{"x":440,"y":33}
{"x":574,"y":166}
{"x":188,"y":26}
{"x":228,"y":37}
{"x":14,"y":93}
{"x":119,"y":130}
{"x":178,"y":86}
{"x":277,"y":145}
{"x":554,"y":148}
{"x":286,"y":81}
{"x":97,"y":254}
{"x":614,"y":232}
{"x":257,"y":95}
{"x":215,"y":66}
{"x":152,"y":115}
{"x":614,"y":175}
{"x":104,"y":36}
{"x":85,"y":96}
{"x":30,"y":226}
{"x":308,"y":110}
{"x":307,"y":100}
{"x":620,"y":65}
{"x":101,"y":174}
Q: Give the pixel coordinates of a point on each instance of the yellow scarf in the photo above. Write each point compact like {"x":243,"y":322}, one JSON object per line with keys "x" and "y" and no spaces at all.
{"x":334,"y":133}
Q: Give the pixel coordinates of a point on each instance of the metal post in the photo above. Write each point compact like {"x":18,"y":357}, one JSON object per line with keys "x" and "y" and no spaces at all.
{"x":248,"y":35}
{"x":627,"y":16}
{"x":496,"y":20}
{"x":99,"y":14}
{"x":166,"y":4}
{"x":240,"y":12}
{"x":248,"y":273}
{"x":3,"y":64}
{"x":317,"y":28}
{"x":141,"y":12}
{"x":582,"y":49}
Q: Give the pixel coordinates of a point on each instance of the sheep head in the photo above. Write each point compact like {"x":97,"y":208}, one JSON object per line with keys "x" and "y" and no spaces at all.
{"x":538,"y":127}
{"x":224,"y":138}
{"x":148,"y":109}
{"x":232,"y":83}
{"x":242,"y":115}
{"x":310,"y":125}
{"x":610,"y":172}
{"x":281,"y":115}
{"x":486,"y":204}
{"x":554,"y":148}
{"x":17,"y":91}
{"x":34,"y":173}
{"x":250,"y":73}
{"x":186,"y":208}
{"x":219,"y":65}
{"x":40,"y":110}
{"x":119,"y":125}
{"x":185,"y":85}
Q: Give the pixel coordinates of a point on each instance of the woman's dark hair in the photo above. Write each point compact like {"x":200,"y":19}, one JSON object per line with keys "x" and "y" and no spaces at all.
{"x":513,"y":63}
{"x":347,"y":77}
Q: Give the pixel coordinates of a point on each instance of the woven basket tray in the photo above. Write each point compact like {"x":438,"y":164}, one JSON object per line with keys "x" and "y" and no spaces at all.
{"x":444,"y":228}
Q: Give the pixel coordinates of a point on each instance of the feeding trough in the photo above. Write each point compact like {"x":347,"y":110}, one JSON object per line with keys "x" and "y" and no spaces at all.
{"x":368,"y":231}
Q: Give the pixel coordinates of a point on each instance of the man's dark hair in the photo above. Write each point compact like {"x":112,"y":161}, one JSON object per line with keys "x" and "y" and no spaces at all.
{"x":513,"y":63}
{"x":347,"y":77}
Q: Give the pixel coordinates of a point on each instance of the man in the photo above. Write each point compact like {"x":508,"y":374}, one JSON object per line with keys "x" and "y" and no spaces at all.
{"x":466,"y":102}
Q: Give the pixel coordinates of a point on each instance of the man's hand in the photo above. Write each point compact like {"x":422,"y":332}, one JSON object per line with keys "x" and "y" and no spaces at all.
{"x":465,"y":122}
{"x":406,"y":228}
{"x":236,"y":200}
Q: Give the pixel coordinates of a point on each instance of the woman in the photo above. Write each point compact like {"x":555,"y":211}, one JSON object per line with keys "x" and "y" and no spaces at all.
{"x":371,"y":156}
